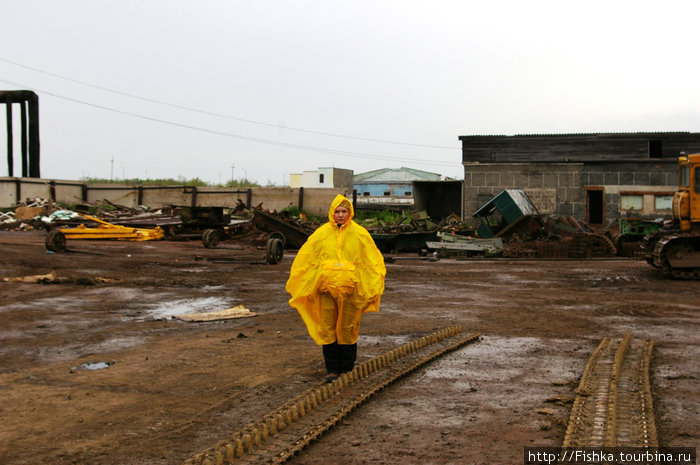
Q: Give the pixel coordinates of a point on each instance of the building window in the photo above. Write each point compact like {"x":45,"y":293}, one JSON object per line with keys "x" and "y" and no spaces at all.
{"x":320,"y":178}
{"x":631,"y":202}
{"x":663,"y":202}
{"x":408,"y":193}
{"x":365,"y":194}
{"x":387,"y":193}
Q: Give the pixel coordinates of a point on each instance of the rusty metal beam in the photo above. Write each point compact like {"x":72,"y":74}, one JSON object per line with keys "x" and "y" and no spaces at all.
{"x":8,"y":113}
{"x":30,"y":133}
{"x":23,"y":138}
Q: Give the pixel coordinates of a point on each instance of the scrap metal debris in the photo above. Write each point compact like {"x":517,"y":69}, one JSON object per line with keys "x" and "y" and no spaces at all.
{"x":56,"y":239}
{"x":26,"y":216}
{"x":53,"y":278}
{"x":238,"y":311}
{"x":508,"y":225}
{"x":292,"y":232}
{"x":511,"y":216}
{"x":450,"y":245}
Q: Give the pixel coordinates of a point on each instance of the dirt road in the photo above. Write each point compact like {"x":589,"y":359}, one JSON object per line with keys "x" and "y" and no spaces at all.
{"x":168,"y":388}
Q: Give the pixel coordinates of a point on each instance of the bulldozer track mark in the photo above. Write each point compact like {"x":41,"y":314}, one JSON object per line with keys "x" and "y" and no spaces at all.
{"x":283,"y":433}
{"x":613,"y":405}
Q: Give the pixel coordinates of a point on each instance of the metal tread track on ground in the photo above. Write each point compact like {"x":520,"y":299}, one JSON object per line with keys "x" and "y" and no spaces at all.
{"x":283,"y":433}
{"x":613,"y":404}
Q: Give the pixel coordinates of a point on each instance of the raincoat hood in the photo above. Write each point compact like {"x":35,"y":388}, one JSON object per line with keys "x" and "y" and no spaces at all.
{"x":337,"y":201}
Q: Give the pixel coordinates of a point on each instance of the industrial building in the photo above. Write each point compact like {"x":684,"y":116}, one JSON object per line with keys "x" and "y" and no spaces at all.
{"x":597,"y":178}
{"x":390,"y":187}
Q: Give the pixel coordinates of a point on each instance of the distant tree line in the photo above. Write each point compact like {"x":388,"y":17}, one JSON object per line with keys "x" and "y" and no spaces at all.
{"x":180,"y":181}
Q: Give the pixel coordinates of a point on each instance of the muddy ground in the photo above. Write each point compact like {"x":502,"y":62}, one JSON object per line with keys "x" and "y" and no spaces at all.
{"x":173,"y":388}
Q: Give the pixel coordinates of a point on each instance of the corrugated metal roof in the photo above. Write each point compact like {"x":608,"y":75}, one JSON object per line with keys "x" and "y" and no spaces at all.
{"x":396,"y":175}
{"x":639,"y":133}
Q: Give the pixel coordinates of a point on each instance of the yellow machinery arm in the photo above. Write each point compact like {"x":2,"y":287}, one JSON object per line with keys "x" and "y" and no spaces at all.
{"x":112,"y":231}
{"x":56,"y":239}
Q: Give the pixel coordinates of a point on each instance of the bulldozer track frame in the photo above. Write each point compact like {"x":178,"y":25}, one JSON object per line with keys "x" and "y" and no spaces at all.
{"x":613,"y":404}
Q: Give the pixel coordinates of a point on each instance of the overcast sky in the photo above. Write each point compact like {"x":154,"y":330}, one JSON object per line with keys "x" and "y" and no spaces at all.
{"x":262,"y":89}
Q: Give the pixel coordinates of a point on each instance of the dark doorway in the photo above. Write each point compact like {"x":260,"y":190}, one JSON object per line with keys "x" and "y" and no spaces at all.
{"x":595,"y":206}
{"x":655,"y":149}
{"x":439,"y":199}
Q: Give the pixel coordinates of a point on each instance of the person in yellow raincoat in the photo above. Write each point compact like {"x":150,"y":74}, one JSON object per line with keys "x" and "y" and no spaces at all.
{"x":337,"y":276}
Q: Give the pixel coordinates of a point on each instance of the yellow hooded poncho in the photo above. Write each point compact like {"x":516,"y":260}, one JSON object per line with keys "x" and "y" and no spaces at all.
{"x":340,"y":261}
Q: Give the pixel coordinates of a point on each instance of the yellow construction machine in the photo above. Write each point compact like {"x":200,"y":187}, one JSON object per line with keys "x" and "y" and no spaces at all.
{"x":56,"y":239}
{"x":675,"y":248}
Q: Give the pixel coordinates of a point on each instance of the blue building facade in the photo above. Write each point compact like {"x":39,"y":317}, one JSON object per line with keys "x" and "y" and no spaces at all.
{"x":391,"y":182}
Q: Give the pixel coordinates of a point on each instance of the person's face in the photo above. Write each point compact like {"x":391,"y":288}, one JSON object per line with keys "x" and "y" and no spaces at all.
{"x":340,"y":215}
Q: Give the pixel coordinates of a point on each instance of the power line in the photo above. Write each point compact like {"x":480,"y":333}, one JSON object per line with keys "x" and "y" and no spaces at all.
{"x":238,"y":136}
{"x":219,"y":115}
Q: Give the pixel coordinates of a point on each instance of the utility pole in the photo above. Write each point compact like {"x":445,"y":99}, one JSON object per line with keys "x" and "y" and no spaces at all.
{"x":111,"y":171}
{"x":232,"y":166}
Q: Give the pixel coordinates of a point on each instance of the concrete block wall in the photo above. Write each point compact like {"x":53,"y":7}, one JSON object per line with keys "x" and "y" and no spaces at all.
{"x":632,"y":174}
{"x":559,"y":188}
{"x":315,"y":201}
{"x":554,"y":188}
{"x":630,"y":177}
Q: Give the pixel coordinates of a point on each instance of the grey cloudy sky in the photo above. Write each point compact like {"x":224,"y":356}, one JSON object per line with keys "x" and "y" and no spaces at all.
{"x":261,"y":89}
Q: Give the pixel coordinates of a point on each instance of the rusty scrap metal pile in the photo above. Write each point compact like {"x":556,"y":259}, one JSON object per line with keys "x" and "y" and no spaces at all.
{"x":563,"y":237}
{"x":512,"y":217}
{"x":507,"y":226}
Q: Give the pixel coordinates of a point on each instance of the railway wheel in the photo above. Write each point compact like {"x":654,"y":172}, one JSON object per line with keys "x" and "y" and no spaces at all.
{"x":275,"y":251}
{"x":210,"y":238}
{"x":280,"y":236}
{"x":56,"y":241}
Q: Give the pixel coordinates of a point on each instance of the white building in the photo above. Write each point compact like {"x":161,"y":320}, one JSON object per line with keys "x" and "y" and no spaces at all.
{"x":323,"y":177}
